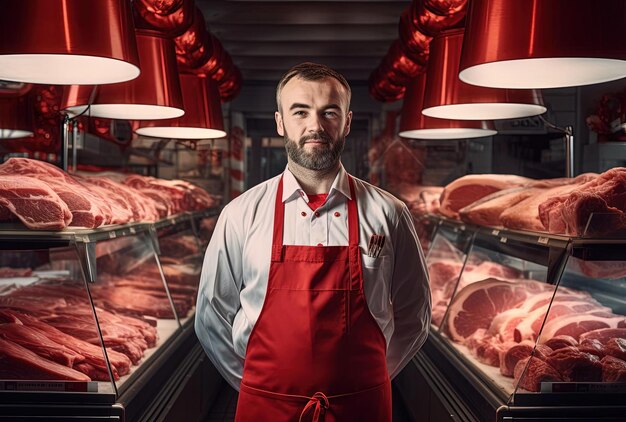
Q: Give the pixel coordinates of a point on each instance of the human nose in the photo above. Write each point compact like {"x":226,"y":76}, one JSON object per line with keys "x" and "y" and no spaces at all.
{"x":315,"y":124}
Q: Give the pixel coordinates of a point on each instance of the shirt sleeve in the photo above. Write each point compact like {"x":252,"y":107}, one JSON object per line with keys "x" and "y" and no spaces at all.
{"x":410,"y":296}
{"x":218,"y":298}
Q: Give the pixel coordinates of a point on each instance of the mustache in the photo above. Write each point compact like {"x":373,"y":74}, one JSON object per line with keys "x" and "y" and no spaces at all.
{"x":318,"y":136}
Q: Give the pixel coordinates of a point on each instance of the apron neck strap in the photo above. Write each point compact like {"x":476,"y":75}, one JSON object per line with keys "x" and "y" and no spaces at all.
{"x":279,"y":220}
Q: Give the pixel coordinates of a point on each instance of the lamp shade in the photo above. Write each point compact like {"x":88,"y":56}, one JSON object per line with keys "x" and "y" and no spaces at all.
{"x":413,"y":124}
{"x":203,"y":112}
{"x":447,"y":97}
{"x":15,"y":117}
{"x":67,"y":41}
{"x":155,"y":94}
{"x":543,"y":44}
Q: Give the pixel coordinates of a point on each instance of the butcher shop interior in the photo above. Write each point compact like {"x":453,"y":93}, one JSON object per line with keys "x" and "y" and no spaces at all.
{"x":128,"y":126}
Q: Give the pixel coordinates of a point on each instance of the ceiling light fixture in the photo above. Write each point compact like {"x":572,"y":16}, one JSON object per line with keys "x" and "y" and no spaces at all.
{"x":67,"y":42}
{"x":447,"y":97}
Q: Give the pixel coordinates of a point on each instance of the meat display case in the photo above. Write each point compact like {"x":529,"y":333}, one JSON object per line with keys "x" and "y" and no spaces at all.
{"x":98,"y":324}
{"x":526,"y":326}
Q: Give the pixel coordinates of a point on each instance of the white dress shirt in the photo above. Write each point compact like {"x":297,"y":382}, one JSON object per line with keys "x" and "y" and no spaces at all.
{"x":236,"y":266}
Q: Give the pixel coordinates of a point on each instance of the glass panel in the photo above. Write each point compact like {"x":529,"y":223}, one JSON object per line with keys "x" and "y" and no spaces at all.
{"x":49,"y":338}
{"x":181,"y":261}
{"x":582,"y":344}
{"x":133,"y":304}
{"x":445,"y":261}
{"x":487,"y":317}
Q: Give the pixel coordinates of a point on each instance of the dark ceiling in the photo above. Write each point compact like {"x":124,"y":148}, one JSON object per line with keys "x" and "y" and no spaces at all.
{"x":265,"y":38}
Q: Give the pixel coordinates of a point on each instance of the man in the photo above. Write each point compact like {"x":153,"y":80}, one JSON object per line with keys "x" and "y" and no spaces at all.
{"x":301,"y":308}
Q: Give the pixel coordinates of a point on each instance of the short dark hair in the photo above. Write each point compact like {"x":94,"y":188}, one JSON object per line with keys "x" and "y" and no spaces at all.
{"x":311,"y":72}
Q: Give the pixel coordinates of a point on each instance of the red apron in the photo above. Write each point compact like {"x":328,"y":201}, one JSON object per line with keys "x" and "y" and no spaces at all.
{"x":315,"y":353}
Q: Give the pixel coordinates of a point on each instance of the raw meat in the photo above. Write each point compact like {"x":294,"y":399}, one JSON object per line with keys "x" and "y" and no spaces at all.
{"x":538,"y":371}
{"x":605,"y":195}
{"x":559,"y":342}
{"x":487,"y":210}
{"x":613,"y":369}
{"x":142,"y":206}
{"x":525,"y":214}
{"x":87,"y":208}
{"x":529,"y":327}
{"x":476,"y":305}
{"x":574,"y":365}
{"x":604,"y":334}
{"x":122,"y":212}
{"x":93,"y":354}
{"x":468,"y":189}
{"x":611,"y":270}
{"x":616,"y":347}
{"x":592,"y":346}
{"x":576,"y":325}
{"x":510,"y":357}
{"x":6,"y":272}
{"x":34,"y":202}
{"x":36,"y":342}
{"x":17,"y":362}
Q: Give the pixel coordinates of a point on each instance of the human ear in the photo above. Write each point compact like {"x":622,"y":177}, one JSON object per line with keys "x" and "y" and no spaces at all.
{"x":348,"y":122}
{"x":279,"y":123}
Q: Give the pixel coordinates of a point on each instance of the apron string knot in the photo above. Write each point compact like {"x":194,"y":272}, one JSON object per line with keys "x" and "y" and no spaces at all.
{"x":319,"y":404}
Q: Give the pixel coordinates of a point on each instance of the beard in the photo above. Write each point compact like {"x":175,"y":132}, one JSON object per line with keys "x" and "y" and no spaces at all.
{"x":321,"y":157}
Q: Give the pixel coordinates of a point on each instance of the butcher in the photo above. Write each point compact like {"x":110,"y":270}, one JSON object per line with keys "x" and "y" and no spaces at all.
{"x":314,"y":292}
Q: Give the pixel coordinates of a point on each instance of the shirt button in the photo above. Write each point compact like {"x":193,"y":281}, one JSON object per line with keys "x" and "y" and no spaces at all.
{"x":317,"y":214}
{"x":303,"y":214}
{"x":337,"y":213}
{"x":319,"y":244}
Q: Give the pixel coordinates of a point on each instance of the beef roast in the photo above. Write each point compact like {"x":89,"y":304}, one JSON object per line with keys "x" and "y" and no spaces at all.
{"x":574,"y":365}
{"x":468,"y":189}
{"x":537,"y":372}
{"x":613,"y":369}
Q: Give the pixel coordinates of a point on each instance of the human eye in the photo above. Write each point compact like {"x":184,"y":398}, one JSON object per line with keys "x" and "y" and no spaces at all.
{"x":330,"y":114}
{"x":299,"y":113}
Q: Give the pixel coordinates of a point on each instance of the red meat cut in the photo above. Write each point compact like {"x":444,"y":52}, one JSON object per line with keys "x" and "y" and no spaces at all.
{"x":574,"y":365}
{"x":487,"y":211}
{"x":604,"y":334}
{"x":468,"y":189}
{"x":538,"y":371}
{"x":36,"y":342}
{"x":17,"y":362}
{"x":510,"y":357}
{"x":477,"y":304}
{"x":88,"y":209}
{"x":576,"y":325}
{"x":592,"y":346}
{"x":34,"y":202}
{"x":616,"y":347}
{"x":605,"y":195}
{"x":613,"y":369}
{"x":560,"y":342}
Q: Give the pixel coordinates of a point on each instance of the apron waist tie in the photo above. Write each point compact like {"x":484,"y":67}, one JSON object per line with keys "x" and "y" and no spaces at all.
{"x":319,"y":404}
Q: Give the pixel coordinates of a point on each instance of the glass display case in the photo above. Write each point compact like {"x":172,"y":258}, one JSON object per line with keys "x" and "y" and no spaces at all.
{"x":533,"y":325}
{"x":89,"y":318}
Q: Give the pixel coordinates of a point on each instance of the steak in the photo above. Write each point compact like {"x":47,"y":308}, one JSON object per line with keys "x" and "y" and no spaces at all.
{"x":88,"y":209}
{"x":486,"y":211}
{"x":142,"y":206}
{"x":36,"y":342}
{"x":605,"y":195}
{"x":576,"y":325}
{"x":559,"y":342}
{"x":525,"y":214}
{"x":537,"y":372}
{"x":616,"y":347}
{"x":468,"y":189}
{"x":574,"y":365}
{"x":613,"y":369}
{"x":604,"y":334}
{"x":17,"y":362}
{"x":476,"y":305}
{"x":34,"y":202}
{"x":592,"y":346}
{"x":510,"y":357}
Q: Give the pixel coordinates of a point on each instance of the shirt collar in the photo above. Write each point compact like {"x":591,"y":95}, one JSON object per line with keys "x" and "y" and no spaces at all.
{"x":292,"y":189}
